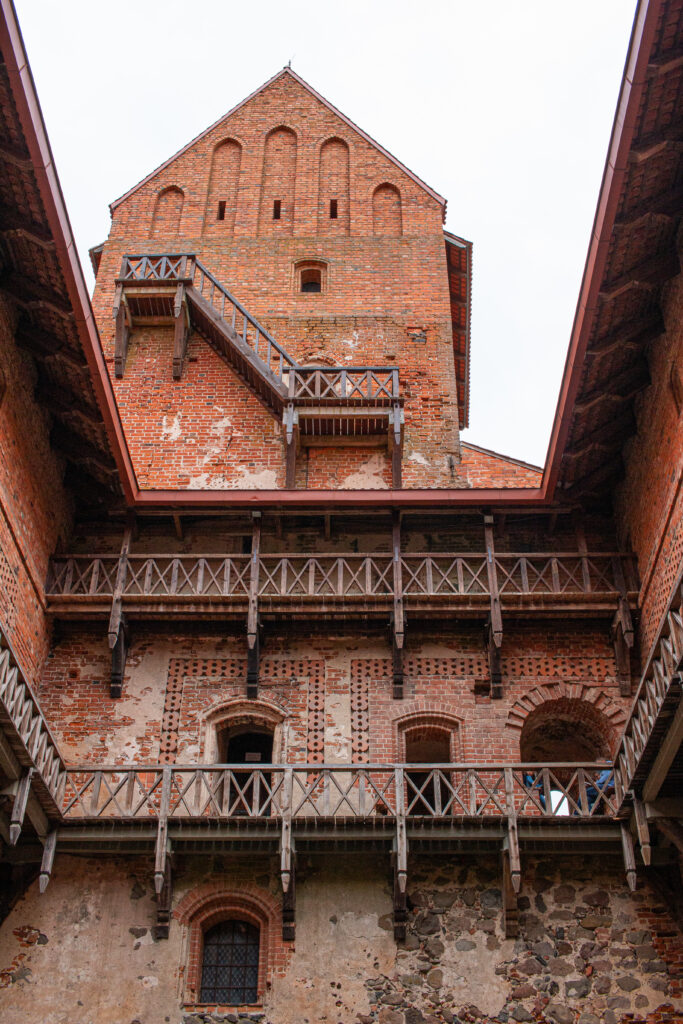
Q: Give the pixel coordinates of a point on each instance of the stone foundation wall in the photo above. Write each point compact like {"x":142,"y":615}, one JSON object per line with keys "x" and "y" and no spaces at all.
{"x":588,"y":951}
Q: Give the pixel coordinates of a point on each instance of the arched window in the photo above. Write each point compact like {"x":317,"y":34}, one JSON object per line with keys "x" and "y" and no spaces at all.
{"x":310,"y":276}
{"x":230,"y":963}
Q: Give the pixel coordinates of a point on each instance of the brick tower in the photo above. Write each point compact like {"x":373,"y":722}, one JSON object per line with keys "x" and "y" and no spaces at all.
{"x":310,"y":711}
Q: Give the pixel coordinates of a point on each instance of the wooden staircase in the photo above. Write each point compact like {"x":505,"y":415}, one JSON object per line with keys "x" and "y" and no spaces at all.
{"x":311,"y":401}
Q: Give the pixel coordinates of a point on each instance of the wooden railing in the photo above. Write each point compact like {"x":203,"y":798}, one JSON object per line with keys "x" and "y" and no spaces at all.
{"x":359,"y":385}
{"x":31,"y":737}
{"x":660,"y":681}
{"x":337,"y":576}
{"x":565,"y":791}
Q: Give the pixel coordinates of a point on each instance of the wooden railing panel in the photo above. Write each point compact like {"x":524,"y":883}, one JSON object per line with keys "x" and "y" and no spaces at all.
{"x":342,"y":791}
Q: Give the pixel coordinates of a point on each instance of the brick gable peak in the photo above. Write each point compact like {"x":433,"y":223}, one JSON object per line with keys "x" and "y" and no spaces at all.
{"x":286,"y":71}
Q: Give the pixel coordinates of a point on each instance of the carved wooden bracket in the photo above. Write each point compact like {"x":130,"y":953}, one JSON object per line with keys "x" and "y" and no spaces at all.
{"x":398,"y":618}
{"x":288,"y":861}
{"x":165,"y":903}
{"x":396,"y":441}
{"x":119,"y":655}
{"x":290,"y":422}
{"x":181,"y":331}
{"x":400,"y":861}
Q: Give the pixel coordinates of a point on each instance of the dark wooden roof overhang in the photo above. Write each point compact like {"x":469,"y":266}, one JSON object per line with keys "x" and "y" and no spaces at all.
{"x":41,"y":274}
{"x":459,"y":264}
{"x":633,"y":253}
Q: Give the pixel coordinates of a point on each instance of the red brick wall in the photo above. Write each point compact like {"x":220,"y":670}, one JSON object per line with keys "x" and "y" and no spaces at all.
{"x":334,"y":696}
{"x":649,"y":505}
{"x":382,"y":284}
{"x":33,"y":504}
{"x":488,"y":469}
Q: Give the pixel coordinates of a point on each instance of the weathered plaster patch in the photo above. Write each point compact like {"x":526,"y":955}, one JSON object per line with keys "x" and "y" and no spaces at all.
{"x":171,"y":429}
{"x":261,"y":480}
{"x":368,"y":476}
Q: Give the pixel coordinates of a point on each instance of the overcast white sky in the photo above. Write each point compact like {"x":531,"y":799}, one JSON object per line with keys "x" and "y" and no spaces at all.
{"x":503,"y":107}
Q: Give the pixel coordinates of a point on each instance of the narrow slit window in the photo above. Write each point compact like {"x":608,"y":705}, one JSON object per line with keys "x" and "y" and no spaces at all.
{"x":220,"y":215}
{"x":333,"y":209}
{"x":277,"y":208}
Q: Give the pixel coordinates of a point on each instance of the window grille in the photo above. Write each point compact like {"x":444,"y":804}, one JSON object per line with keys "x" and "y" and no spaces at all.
{"x":230,"y":964}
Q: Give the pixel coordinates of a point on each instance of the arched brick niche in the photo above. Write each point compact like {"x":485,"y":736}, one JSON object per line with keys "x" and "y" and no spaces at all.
{"x":221,"y":201}
{"x":566,"y":723}
{"x":333,"y":188}
{"x":241,"y":715}
{"x":387,"y":215}
{"x":167,"y":213}
{"x":276,"y":213}
{"x":425,"y":731}
{"x":209,"y":904}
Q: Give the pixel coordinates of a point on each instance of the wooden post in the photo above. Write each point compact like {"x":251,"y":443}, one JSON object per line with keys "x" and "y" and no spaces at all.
{"x":47,"y":861}
{"x":164,"y":904}
{"x":181,"y":331}
{"x":396,"y":445}
{"x":400,"y":861}
{"x":629,"y":855}
{"x":122,"y":332}
{"x":253,"y":645}
{"x":494,"y":626}
{"x":642,"y":829}
{"x":398,"y":624}
{"x":119,"y":586}
{"x":290,"y":417}
{"x":19,"y":806}
{"x":118,"y":659}
{"x":510,"y":906}
{"x":287,"y":869}
{"x":512,"y":838}
{"x":162,"y":832}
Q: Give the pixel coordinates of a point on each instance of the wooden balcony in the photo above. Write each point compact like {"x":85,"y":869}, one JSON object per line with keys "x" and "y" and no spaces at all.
{"x":299,"y":585}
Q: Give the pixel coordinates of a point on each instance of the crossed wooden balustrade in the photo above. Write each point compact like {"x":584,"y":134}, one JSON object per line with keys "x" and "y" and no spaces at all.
{"x":312,"y":401}
{"x":297,"y":576}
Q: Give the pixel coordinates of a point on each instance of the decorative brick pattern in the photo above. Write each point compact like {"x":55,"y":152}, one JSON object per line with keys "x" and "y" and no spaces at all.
{"x":360,"y":688}
{"x":315,"y":739}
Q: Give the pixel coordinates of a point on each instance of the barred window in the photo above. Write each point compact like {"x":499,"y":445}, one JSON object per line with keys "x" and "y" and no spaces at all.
{"x":230,"y":964}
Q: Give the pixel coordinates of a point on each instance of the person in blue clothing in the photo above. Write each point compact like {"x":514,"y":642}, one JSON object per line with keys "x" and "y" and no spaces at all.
{"x":538,"y":784}
{"x":604,"y":785}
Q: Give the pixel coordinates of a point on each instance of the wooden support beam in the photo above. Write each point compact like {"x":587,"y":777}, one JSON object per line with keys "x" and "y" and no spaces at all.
{"x":287,"y":865}
{"x":673,"y":830}
{"x":642,"y":829}
{"x":119,"y":655}
{"x":181,"y":331}
{"x":162,"y":842}
{"x":491,"y":570}
{"x":37,"y":341}
{"x":119,"y":586}
{"x":47,"y":861}
{"x":80,"y":451}
{"x":29,"y":292}
{"x":122,"y":333}
{"x":668,"y":749}
{"x":291,"y":428}
{"x":637,"y":333}
{"x":398,"y":618}
{"x":510,"y":905}
{"x":400,"y":858}
{"x":13,"y":223}
{"x":396,"y":442}
{"x":178,"y":526}
{"x":511,"y":840}
{"x":165,"y":903}
{"x":23,"y":787}
{"x":253,"y":640}
{"x":629,"y":856}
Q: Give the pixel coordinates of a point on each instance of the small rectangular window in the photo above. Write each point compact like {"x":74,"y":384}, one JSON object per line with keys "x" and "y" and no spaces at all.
{"x":333,"y":209}
{"x":221,"y":210}
{"x":276,"y":209}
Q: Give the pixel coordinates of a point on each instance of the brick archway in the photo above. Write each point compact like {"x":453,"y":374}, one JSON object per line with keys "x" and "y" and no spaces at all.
{"x":601,"y":715}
